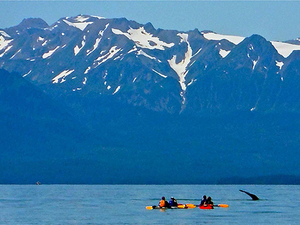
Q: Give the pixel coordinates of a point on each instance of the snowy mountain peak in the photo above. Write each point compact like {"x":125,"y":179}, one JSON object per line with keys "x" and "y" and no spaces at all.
{"x":103,"y":88}
{"x":141,"y":65}
{"x":217,"y":37}
{"x":80,"y":24}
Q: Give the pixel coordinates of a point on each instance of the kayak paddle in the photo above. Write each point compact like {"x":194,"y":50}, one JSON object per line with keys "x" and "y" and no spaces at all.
{"x":222,"y":205}
{"x":151,"y":207}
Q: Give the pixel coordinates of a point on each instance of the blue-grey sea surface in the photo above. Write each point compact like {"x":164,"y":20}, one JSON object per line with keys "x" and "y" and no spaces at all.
{"x":126,"y":204}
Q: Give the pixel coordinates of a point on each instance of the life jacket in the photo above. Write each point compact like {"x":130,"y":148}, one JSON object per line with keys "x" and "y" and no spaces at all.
{"x":162,"y":203}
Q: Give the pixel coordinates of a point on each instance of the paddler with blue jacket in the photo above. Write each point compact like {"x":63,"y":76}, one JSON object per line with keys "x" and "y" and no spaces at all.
{"x":173,"y":202}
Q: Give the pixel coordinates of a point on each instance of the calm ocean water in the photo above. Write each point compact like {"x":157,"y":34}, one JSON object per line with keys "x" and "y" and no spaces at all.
{"x":125,"y":204}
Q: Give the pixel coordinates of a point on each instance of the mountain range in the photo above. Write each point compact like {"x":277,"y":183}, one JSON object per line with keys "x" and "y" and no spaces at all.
{"x":95,"y":100}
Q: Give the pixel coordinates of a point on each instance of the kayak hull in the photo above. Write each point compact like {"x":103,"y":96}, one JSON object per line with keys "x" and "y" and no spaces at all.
{"x":180,"y":206}
{"x":206,"y":206}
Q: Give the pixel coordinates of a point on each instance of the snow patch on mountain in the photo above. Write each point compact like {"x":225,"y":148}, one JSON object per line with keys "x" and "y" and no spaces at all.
{"x":4,"y":34}
{"x":141,"y":52}
{"x":97,"y":41}
{"x":132,"y":50}
{"x":81,"y":18}
{"x":40,"y":39}
{"x":111,"y":53}
{"x":160,"y":74}
{"x":181,"y":67}
{"x":3,"y":40}
{"x":62,"y":76}
{"x":84,"y":81}
{"x":191,"y":82}
{"x":218,"y":37}
{"x":101,"y":32}
{"x":117,"y":89}
{"x":223,"y":53}
{"x":27,"y":73}
{"x":4,"y":43}
{"x":87,"y":70}
{"x":284,"y":49}
{"x":44,"y":43}
{"x":48,"y":54}
{"x":144,"y":39}
{"x":15,"y":54}
{"x":80,"y":25}
{"x":279,"y":64}
{"x":254,"y":62}
{"x":77,"y":49}
{"x":197,"y":52}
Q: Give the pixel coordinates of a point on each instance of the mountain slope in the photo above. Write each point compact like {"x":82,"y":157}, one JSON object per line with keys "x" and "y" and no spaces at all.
{"x":136,"y":63}
{"x":95,"y":100}
{"x":35,"y":132}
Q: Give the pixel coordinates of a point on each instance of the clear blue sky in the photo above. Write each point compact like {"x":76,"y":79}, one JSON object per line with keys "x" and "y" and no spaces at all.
{"x":274,"y":20}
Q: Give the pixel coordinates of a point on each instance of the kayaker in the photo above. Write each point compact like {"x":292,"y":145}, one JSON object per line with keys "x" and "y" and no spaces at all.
{"x":209,"y":201}
{"x":164,"y":203}
{"x":203,"y":201}
{"x":173,"y":202}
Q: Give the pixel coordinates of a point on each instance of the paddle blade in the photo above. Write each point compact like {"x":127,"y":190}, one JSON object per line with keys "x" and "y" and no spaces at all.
{"x":190,"y":206}
{"x":149,"y":207}
{"x":223,"y":205}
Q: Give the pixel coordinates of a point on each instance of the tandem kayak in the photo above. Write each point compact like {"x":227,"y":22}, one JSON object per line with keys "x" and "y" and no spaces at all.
{"x":180,"y":206}
{"x":212,"y":206}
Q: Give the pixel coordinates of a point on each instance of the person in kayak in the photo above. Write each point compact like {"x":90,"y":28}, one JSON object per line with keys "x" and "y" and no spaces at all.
{"x":163,"y":203}
{"x":209,"y":202}
{"x":203,"y":201}
{"x":173,"y":202}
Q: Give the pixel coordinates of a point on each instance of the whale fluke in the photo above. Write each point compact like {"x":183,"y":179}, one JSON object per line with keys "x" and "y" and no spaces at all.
{"x":254,"y":197}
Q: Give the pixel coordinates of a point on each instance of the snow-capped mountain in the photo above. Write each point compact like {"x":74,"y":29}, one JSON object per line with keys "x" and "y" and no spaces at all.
{"x":144,"y":66}
{"x":148,"y":94}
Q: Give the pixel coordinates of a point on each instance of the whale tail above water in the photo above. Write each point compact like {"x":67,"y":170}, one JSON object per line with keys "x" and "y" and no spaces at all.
{"x":254,"y":197}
